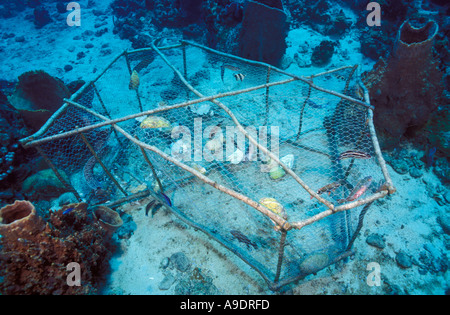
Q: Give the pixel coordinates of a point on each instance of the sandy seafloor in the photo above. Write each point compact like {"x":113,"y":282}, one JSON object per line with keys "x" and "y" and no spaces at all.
{"x":406,"y":220}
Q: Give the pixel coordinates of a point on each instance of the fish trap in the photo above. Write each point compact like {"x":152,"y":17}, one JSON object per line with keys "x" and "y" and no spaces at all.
{"x":277,"y":168}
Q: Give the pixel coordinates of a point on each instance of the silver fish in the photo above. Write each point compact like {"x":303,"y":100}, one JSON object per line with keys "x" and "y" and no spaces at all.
{"x":239,"y":76}
{"x":354,"y":154}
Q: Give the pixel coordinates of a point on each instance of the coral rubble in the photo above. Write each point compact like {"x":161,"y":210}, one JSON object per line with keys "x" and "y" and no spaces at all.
{"x":35,"y":253}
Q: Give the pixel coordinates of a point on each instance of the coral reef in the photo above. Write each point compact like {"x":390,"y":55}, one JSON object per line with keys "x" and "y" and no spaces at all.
{"x":41,"y":17}
{"x":35,"y":261}
{"x":322,"y":54}
{"x":405,"y":92}
{"x":9,"y":9}
{"x":321,"y":16}
{"x":13,"y":158}
{"x":214,"y":23}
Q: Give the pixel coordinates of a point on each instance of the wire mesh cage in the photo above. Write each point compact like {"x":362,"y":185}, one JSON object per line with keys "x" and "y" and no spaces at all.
{"x":277,"y":168}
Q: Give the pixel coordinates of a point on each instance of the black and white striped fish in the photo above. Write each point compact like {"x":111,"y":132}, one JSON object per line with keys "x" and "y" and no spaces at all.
{"x":155,"y":205}
{"x":354,"y":154}
{"x":239,"y":76}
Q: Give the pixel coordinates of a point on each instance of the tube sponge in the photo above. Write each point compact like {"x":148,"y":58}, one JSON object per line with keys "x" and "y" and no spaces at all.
{"x":19,"y":220}
{"x":263,"y":33}
{"x":406,"y":88}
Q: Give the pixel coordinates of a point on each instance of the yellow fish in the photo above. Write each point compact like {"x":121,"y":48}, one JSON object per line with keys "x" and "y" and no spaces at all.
{"x":155,"y":122}
{"x":273,"y":205}
{"x":199,"y":168}
{"x":139,"y":188}
{"x":134,"y":81}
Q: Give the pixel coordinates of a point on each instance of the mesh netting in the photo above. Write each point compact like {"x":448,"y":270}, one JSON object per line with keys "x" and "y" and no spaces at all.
{"x":169,"y":119}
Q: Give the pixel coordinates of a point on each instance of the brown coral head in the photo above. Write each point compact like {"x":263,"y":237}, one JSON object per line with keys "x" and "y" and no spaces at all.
{"x":109,"y":219}
{"x":19,"y":220}
{"x":412,"y":35}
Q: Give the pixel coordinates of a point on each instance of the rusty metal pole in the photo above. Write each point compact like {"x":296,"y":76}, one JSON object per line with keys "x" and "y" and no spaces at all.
{"x":280,"y":254}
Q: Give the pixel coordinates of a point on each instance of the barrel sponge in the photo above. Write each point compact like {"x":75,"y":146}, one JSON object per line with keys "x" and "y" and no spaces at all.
{"x":19,"y":220}
{"x":406,"y":88}
{"x":36,"y":252}
{"x":37,"y":96}
{"x":37,"y":90}
{"x":263,"y":32}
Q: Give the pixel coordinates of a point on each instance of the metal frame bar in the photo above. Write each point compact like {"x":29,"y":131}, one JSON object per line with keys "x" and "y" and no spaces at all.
{"x":283,"y":225}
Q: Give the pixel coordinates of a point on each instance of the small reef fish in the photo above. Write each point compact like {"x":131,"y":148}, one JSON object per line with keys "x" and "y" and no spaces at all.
{"x":154,"y":206}
{"x":313,"y":104}
{"x":239,"y":76}
{"x":227,"y":66}
{"x":329,"y":188}
{"x":68,"y":210}
{"x":340,"y":77}
{"x":354,"y":154}
{"x":243,"y":239}
{"x":167,"y":199}
{"x":359,"y":190}
{"x":134,"y":81}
